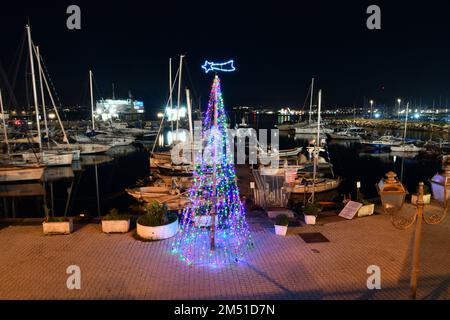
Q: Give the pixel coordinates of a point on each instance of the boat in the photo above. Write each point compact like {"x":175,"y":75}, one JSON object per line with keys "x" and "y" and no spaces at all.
{"x":149,"y":193}
{"x":279,"y":153}
{"x":175,"y":170}
{"x":404,"y":147}
{"x":311,"y":128}
{"x":93,"y":148}
{"x":21,"y":173}
{"x":305,"y":186}
{"x":172,"y":198}
{"x":383,"y":141}
{"x":407,"y":148}
{"x":352,"y":133}
{"x":48,"y":158}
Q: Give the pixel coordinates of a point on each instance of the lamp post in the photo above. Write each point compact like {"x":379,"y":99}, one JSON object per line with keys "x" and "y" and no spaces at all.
{"x":399,"y":101}
{"x":440,"y":184}
{"x":392,"y":193}
{"x":371,"y":109}
{"x":435,"y":216}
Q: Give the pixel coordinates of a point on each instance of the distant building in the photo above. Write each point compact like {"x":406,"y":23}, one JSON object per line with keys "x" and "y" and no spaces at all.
{"x":123,"y":109}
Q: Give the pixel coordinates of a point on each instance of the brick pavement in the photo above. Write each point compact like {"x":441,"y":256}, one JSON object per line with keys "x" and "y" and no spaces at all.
{"x":33,"y":266}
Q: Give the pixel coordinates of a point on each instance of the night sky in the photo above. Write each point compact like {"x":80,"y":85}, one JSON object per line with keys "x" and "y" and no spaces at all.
{"x":277,"y":47}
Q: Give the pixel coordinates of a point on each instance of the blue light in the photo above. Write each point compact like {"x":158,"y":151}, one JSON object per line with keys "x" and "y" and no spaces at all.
{"x":417,"y":116}
{"x":377,"y":115}
{"x":213,"y":66}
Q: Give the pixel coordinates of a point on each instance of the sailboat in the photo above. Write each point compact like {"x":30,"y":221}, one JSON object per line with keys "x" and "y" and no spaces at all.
{"x":306,"y":182}
{"x":9,"y":172}
{"x":310,"y":127}
{"x":406,"y":147}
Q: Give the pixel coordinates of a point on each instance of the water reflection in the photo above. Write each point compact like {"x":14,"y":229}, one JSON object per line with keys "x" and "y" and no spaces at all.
{"x":91,"y":186}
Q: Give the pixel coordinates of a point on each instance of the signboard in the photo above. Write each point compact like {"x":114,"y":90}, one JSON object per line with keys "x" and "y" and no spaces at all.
{"x":350,"y":210}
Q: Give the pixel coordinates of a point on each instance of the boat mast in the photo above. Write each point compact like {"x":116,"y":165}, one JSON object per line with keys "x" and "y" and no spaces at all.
{"x":33,"y":76}
{"x":65,"y":139}
{"x":179,"y":95}
{"x":311,"y":99}
{"x":317,"y":146}
{"x":5,"y":132}
{"x":191,"y":130}
{"x":170,"y":93}
{"x":41,"y":85}
{"x":406,"y":123}
{"x":92,"y":100}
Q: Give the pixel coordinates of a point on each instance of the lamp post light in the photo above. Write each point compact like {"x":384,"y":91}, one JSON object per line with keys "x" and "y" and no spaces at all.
{"x":371,"y":109}
{"x":392,"y":192}
{"x":440,"y":184}
{"x":400,"y":220}
{"x":399,"y":101}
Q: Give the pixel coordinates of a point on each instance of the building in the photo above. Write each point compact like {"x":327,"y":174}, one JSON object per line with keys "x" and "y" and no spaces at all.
{"x":123,"y":109}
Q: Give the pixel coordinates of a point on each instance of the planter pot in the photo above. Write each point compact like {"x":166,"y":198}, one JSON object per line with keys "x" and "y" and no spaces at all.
{"x":366,"y":210}
{"x":280,"y":230}
{"x":426,"y":198}
{"x":115,"y":226}
{"x":204,"y":221}
{"x":57,"y":227}
{"x":309,"y":219}
{"x":159,"y":232}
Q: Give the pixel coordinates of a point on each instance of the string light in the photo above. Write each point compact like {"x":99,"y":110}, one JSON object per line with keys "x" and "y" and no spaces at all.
{"x":214,"y":195}
{"x":213,"y":66}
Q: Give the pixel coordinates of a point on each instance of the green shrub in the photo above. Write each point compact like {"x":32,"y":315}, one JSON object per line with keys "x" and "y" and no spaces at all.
{"x":155,"y":215}
{"x":114,"y":214}
{"x":282,"y":220}
{"x":312,"y":209}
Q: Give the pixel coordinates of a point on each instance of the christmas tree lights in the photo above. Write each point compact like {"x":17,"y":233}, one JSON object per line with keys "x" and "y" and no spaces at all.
{"x":213,"y":229}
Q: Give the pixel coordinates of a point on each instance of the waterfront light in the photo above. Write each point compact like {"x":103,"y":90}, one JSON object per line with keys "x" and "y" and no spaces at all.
{"x":160,"y":115}
{"x":392,"y":193}
{"x":440,"y":184}
{"x":51,"y":116}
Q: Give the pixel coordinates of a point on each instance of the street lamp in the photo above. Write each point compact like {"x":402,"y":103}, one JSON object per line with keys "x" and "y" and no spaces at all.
{"x":392,"y":192}
{"x":399,"y":101}
{"x":371,"y":108}
{"x":404,"y":219}
{"x":440,"y":184}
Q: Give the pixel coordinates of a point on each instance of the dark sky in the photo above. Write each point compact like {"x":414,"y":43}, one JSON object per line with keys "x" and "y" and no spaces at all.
{"x":277,"y":47}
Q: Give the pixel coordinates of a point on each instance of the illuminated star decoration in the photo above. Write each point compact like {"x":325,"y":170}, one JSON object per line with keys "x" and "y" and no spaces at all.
{"x":214,"y":193}
{"x":213,"y":66}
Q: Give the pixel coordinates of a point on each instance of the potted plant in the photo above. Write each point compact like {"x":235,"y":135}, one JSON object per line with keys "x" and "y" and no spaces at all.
{"x":426,"y":196}
{"x":57,"y":225}
{"x":310,"y":212}
{"x":281,"y":224}
{"x":114,"y":222}
{"x":157,"y":222}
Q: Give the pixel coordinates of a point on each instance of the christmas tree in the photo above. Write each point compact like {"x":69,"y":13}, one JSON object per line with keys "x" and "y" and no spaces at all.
{"x":213,"y":229}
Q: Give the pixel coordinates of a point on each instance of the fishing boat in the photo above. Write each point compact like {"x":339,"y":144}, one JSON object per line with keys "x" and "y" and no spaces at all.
{"x":173,"y":199}
{"x":175,"y":170}
{"x":304,"y":186}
